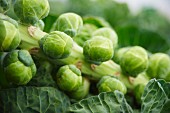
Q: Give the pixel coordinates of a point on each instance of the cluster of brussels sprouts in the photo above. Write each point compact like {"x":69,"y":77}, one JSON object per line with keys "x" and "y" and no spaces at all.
{"x":82,"y":51}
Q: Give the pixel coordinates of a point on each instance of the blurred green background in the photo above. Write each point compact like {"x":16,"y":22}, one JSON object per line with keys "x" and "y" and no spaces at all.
{"x":148,"y":27}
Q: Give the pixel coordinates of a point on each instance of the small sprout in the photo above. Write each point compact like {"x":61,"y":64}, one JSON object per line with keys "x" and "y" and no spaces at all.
{"x":98,"y":49}
{"x":68,"y":78}
{"x":56,"y":45}
{"x":82,"y":91}
{"x":85,"y":34}
{"x":119,"y":53}
{"x":159,"y":66}
{"x":108,"y":33}
{"x":70,"y":23}
{"x":110,"y":83}
{"x":9,"y":36}
{"x":31,"y":11}
{"x":19,"y":67}
{"x":134,"y":61}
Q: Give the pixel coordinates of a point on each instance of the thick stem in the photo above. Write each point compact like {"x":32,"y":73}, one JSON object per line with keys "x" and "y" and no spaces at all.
{"x":30,"y":36}
{"x":92,"y":71}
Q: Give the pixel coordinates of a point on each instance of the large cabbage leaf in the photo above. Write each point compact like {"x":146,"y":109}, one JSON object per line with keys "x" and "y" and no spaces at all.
{"x":131,"y":34}
{"x":33,"y":100}
{"x":166,"y":107}
{"x":152,"y":19}
{"x":155,"y":98}
{"x":107,"y":102}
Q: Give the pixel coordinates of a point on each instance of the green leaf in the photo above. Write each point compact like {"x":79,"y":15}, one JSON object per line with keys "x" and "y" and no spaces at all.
{"x":33,"y":100}
{"x":152,"y":19}
{"x":131,"y":34}
{"x":107,"y":102}
{"x":154,"y":97}
{"x":166,"y":107}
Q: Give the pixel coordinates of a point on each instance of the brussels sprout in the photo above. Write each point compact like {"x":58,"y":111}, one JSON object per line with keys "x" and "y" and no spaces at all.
{"x":159,"y":66}
{"x":19,"y":67}
{"x":108,"y":33}
{"x":82,"y":91}
{"x":85,"y":34}
{"x":68,"y":78}
{"x":56,"y":44}
{"x":134,"y":61}
{"x":141,"y":78}
{"x":70,"y":23}
{"x":9,"y":36}
{"x":110,"y":83}
{"x":119,"y":53}
{"x":98,"y":49}
{"x":30,"y":11}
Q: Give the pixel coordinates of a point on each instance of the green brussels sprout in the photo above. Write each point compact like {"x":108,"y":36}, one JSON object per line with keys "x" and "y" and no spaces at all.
{"x":85,"y":34}
{"x":134,"y":61}
{"x":9,"y":36}
{"x":98,"y":49}
{"x":141,"y":78}
{"x":70,"y":23}
{"x":68,"y":78}
{"x":82,"y":91}
{"x":30,"y":11}
{"x":108,"y":33}
{"x":19,"y":67}
{"x":159,"y":66}
{"x":119,"y":53}
{"x":110,"y":83}
{"x":56,"y":44}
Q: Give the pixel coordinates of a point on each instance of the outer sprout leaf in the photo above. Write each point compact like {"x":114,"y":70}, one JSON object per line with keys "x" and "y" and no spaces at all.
{"x":106,"y":102}
{"x":33,"y":100}
{"x":154,"y":97}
